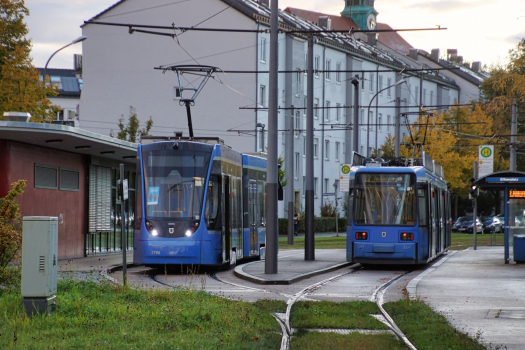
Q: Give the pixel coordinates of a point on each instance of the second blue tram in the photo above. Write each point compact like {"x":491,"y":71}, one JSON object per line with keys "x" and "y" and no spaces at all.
{"x":198,"y":204}
{"x":399,"y":214}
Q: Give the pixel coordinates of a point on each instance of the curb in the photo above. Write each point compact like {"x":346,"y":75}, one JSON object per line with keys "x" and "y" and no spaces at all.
{"x":241,"y":274}
{"x":412,"y":285}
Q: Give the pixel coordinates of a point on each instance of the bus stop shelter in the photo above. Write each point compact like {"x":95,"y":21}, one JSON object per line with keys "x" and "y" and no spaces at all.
{"x":512,"y":183}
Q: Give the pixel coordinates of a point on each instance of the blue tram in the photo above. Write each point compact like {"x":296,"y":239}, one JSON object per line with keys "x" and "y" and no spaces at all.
{"x":198,"y":203}
{"x":399,"y":210}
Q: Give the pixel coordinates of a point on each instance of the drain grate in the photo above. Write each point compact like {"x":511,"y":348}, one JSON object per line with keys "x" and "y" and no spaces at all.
{"x":509,"y":313}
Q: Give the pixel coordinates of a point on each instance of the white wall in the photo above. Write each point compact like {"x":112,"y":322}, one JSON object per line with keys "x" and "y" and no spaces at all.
{"x":118,"y":71}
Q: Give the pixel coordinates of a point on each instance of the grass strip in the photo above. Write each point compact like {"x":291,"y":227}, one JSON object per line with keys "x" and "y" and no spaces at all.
{"x":90,"y":314}
{"x":326,"y":314}
{"x":354,"y":341}
{"x":427,"y":329}
{"x":462,"y":241}
{"x":320,"y":243}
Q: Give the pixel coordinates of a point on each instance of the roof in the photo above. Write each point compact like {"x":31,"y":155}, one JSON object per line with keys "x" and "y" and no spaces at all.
{"x":69,"y":139}
{"x":69,"y":83}
{"x":391,"y":39}
{"x":103,"y":12}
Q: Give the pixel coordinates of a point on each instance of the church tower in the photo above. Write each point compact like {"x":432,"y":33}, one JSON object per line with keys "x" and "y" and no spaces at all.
{"x":362,"y":12}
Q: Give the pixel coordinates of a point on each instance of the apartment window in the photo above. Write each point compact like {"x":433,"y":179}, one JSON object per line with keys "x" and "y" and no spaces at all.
{"x":327,"y":111}
{"x":344,"y":149}
{"x":69,"y":180}
{"x":381,"y":84}
{"x":337,"y":144}
{"x":371,"y":82}
{"x":283,"y":96}
{"x":328,"y":64}
{"x":338,"y":73}
{"x":297,"y":122}
{"x":46,"y":177}
{"x":431,"y":98}
{"x":316,"y":66}
{"x":388,"y":92}
{"x":316,"y":143}
{"x":326,"y":150}
{"x":362,"y":122}
{"x":296,"y":175}
{"x":316,"y":108}
{"x":305,"y":63}
{"x":388,"y":121}
{"x":379,"y":121}
{"x":424,"y":96}
{"x":304,"y":146}
{"x":283,"y":138}
{"x":315,"y":187}
{"x":326,"y":185}
{"x":262,"y":95}
{"x":263,"y":50}
{"x":297,"y":83}
{"x":417,"y":95}
{"x":338,"y":112}
{"x":371,"y":121}
{"x":363,"y":81}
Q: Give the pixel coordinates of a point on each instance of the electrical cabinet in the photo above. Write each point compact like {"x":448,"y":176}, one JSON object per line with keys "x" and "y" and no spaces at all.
{"x":39,"y":256}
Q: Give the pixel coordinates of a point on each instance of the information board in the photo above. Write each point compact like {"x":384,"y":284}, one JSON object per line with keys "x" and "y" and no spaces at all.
{"x":485,"y":160}
{"x":344,"y":176}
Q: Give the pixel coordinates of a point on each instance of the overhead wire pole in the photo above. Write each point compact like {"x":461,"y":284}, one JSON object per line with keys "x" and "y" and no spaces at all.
{"x":290,"y":173}
{"x":309,"y":238}
{"x":355,"y":131}
{"x":513,"y":132}
{"x":272,"y":229}
{"x":397,"y":128}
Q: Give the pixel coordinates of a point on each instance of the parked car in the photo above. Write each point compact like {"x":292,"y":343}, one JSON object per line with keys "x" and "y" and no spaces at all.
{"x":465,"y":225}
{"x":491,"y":224}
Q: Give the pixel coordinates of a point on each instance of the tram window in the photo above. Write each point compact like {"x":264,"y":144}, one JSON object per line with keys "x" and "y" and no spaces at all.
{"x":423,"y":207}
{"x":212,"y":203}
{"x":385,"y":199}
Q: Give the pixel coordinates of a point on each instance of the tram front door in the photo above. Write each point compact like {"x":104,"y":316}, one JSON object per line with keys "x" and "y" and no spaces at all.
{"x":226,"y":227}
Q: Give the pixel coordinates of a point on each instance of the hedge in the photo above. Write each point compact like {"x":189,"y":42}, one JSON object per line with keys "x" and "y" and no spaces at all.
{"x":322,"y":224}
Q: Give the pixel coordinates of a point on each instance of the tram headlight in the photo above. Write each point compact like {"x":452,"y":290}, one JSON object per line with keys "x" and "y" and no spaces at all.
{"x":361,"y":236}
{"x":192,"y":229}
{"x":151,"y":229}
{"x":188,"y":233}
{"x":406,"y":236}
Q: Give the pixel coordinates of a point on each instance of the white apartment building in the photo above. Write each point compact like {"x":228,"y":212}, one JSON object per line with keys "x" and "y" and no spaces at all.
{"x":118,"y":72}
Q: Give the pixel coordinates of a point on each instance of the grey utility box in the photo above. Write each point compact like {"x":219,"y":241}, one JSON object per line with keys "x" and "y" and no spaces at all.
{"x":39,"y":263}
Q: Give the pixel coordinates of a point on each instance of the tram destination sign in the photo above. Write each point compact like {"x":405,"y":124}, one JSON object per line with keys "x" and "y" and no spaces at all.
{"x":517,"y":194}
{"x":485,"y":160}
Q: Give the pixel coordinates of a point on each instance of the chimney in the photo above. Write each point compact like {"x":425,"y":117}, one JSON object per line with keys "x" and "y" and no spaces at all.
{"x":434,"y":55}
{"x":451,"y":54}
{"x":414,"y":54}
{"x":325,"y":22}
{"x":476,"y":66}
{"x":17,"y":116}
{"x":265,"y":2}
{"x":77,"y":64}
{"x":466,"y":65}
{"x":372,"y":39}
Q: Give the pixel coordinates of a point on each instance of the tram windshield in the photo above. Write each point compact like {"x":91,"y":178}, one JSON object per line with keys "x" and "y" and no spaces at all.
{"x":385,"y":199}
{"x":174,"y":183}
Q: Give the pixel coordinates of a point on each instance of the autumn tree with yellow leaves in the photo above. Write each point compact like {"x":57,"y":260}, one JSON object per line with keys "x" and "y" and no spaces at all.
{"x":20,"y":87}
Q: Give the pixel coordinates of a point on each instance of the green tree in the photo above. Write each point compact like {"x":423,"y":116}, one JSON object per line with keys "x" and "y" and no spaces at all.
{"x":20,"y":87}
{"x":281,"y":172}
{"x":131,"y":131}
{"x":10,"y":228}
{"x":388,"y":149}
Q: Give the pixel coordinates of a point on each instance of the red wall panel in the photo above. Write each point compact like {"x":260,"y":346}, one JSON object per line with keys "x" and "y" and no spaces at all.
{"x":68,"y":206}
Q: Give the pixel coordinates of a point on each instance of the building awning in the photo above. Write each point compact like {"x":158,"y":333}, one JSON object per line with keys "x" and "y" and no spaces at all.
{"x":69,"y":139}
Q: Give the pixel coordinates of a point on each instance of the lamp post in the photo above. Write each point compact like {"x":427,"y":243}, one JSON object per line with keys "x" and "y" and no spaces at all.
{"x":77,"y":40}
{"x":368,"y":117}
{"x":259,"y":125}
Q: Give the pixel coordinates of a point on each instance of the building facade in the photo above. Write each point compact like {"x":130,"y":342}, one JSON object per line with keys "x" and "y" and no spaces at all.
{"x":118,"y":70}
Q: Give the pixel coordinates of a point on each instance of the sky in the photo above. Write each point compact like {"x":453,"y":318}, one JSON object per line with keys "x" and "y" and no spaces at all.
{"x":481,"y":30}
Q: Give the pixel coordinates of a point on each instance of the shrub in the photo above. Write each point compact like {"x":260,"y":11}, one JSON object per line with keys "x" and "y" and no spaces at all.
{"x":328,"y":210}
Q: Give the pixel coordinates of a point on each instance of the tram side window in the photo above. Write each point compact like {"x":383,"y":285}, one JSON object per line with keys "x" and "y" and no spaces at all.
{"x":212,"y":204}
{"x":423,"y":206}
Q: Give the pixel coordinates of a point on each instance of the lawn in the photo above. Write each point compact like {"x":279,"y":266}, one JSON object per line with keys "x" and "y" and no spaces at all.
{"x":90,"y":314}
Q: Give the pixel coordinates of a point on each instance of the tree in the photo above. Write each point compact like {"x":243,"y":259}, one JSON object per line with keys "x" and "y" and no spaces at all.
{"x":10,"y":228}
{"x":388,"y":149}
{"x":20,"y":87}
{"x":281,"y":173}
{"x":132,"y":130}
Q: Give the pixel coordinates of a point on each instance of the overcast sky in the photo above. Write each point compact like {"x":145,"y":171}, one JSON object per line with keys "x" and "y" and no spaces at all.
{"x":481,"y":30}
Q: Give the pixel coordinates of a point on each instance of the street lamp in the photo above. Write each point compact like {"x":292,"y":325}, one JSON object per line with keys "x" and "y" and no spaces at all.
{"x":369,"y":105}
{"x":259,"y":125}
{"x":77,"y":40}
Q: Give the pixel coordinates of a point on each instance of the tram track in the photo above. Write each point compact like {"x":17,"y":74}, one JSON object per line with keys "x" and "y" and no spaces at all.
{"x":284,"y":318}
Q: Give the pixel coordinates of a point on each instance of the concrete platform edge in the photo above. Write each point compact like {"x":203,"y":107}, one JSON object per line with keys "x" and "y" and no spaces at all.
{"x":241,"y":274}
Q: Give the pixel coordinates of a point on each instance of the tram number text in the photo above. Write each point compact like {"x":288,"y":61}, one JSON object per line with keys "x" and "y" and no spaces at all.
{"x":406,"y":247}
{"x":155,"y":252}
